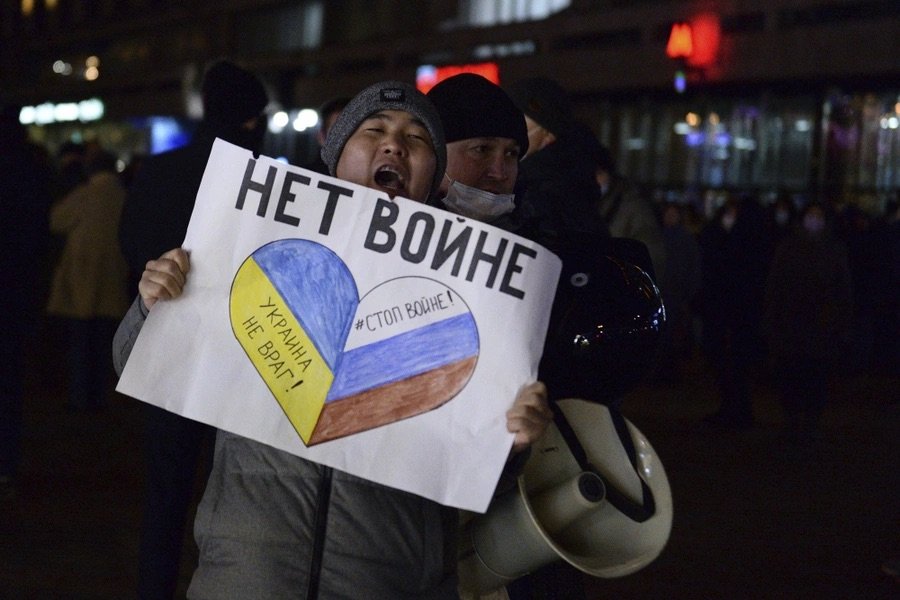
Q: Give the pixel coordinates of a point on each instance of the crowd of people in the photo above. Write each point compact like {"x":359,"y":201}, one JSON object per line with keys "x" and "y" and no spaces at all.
{"x":787,"y":290}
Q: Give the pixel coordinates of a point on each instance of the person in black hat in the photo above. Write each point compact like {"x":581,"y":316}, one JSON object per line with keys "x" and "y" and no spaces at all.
{"x":25,"y":198}
{"x":154,"y":219}
{"x":161,"y":196}
{"x":486,"y":138}
{"x":556,"y":187}
{"x":623,"y":206}
{"x":557,"y":193}
{"x":328,"y":114}
{"x":272,"y":524}
{"x":548,"y":112}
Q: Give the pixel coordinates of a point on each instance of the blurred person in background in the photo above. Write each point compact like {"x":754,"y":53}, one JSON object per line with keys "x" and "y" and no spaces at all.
{"x":555,"y":192}
{"x":886,"y":341}
{"x":781,"y":216}
{"x":623,"y":207}
{"x":89,"y":283}
{"x":486,"y":139}
{"x":866,"y":251}
{"x":155,"y":219}
{"x":808,"y":318}
{"x":69,"y":167}
{"x":555,"y":187}
{"x":328,"y":114}
{"x":735,"y":254}
{"x":679,"y":286}
{"x":25,"y":197}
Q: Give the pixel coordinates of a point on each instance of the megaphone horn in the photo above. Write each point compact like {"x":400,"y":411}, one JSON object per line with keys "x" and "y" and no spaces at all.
{"x":563,"y":511}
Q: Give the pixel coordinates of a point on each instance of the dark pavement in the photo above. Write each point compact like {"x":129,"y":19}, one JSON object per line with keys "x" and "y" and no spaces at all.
{"x":756,"y":515}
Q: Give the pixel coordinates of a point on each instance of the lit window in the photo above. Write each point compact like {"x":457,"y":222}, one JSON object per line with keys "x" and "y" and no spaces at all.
{"x":486,"y":13}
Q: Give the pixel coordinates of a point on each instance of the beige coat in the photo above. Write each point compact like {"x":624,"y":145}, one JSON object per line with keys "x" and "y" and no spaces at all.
{"x":91,"y":277}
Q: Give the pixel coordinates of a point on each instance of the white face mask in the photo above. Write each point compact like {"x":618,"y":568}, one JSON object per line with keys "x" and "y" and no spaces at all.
{"x":477,"y":203}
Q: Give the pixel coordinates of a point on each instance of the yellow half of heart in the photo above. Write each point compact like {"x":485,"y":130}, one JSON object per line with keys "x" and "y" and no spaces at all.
{"x":279,"y":348}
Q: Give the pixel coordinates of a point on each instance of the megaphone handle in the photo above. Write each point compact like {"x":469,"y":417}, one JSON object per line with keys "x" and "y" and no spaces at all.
{"x":634,"y":511}
{"x":572,"y":441}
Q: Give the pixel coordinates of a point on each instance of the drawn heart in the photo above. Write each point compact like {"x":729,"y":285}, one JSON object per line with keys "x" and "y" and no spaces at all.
{"x":337,"y":364}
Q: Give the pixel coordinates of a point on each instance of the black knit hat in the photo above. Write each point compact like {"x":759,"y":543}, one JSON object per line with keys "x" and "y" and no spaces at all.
{"x":471,"y":106}
{"x":386,"y":95}
{"x":545,"y":101}
{"x":232,"y":95}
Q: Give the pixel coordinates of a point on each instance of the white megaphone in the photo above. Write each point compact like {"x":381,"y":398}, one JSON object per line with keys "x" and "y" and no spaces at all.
{"x":592,"y":493}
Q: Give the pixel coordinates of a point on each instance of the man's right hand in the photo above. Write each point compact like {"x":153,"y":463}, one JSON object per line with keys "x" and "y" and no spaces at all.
{"x":164,"y":277}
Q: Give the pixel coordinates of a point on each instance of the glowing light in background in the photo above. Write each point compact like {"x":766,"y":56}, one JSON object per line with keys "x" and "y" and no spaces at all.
{"x":67,"y":111}
{"x":694,"y":138}
{"x":91,"y":110}
{"x":305,"y":119}
{"x":427,"y":76}
{"x":680,"y":81}
{"x":27,"y":115}
{"x":706,"y":33}
{"x":46,"y":113}
{"x":279,"y":121}
{"x":166,"y":134}
{"x":696,"y":42}
{"x":61,"y":67}
{"x":681,"y":42}
{"x":91,"y":68}
{"x":681,"y":128}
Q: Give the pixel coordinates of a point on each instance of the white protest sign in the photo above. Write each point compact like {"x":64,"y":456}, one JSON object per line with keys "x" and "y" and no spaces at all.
{"x":380,"y":337}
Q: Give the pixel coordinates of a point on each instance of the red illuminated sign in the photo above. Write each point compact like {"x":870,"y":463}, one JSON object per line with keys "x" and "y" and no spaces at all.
{"x":696,"y":41}
{"x":427,"y":76}
{"x":706,"y":35}
{"x":681,"y":41}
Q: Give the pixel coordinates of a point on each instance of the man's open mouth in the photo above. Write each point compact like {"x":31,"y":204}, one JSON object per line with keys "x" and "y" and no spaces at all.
{"x":389,"y":178}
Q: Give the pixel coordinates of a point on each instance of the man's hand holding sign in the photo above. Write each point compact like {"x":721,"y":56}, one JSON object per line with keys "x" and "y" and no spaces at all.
{"x":164,"y":278}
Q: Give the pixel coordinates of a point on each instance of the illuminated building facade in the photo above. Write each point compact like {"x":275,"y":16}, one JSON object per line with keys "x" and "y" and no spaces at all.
{"x":797,"y":96}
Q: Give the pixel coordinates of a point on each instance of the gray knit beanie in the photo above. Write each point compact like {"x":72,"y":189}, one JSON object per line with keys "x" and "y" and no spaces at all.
{"x":386,"y":95}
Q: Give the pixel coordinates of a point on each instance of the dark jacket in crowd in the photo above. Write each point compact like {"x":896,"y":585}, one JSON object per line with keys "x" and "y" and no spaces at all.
{"x":25,"y":198}
{"x":808,"y":308}
{"x":154,"y":220}
{"x":161,"y":198}
{"x":554,"y":195}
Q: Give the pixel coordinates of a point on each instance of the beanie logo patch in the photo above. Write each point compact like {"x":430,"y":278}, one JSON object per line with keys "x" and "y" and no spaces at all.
{"x":393,"y":95}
